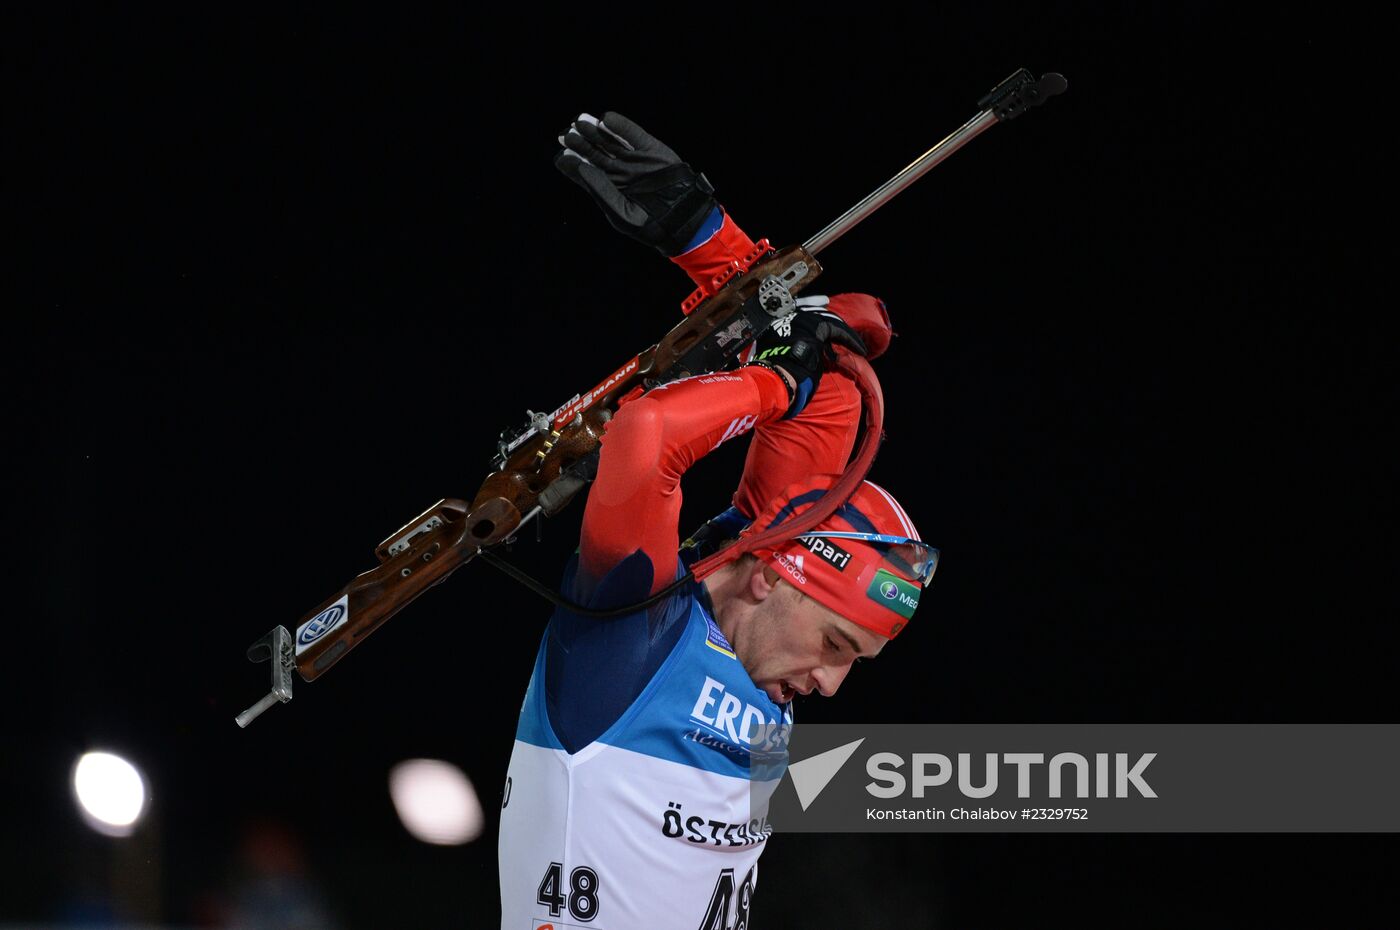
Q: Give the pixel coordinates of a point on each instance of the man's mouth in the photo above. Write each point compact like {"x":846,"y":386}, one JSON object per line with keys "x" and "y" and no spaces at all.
{"x":781,"y":692}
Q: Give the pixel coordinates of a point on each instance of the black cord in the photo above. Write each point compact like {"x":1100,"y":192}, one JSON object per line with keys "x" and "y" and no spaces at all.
{"x":550,"y":595}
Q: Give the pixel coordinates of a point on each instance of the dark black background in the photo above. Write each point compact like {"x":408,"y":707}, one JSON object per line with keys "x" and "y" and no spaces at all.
{"x":288,"y":276}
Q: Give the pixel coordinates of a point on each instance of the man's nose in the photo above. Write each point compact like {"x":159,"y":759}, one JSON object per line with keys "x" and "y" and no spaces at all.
{"x":829,"y":677}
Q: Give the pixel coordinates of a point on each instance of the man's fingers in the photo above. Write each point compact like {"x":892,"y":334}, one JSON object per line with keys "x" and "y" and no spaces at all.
{"x":606,"y":141}
{"x":844,"y":335}
{"x":569,"y":164}
{"x":569,"y":153}
{"x":575,"y":142}
{"x":614,"y":138}
{"x":636,"y":136}
{"x":855,"y":343}
{"x":592,"y":140}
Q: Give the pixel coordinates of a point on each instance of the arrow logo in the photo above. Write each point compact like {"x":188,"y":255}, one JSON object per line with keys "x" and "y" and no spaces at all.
{"x":811,"y":776}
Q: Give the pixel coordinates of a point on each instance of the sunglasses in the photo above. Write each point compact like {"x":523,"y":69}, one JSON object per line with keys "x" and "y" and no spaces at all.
{"x":912,"y":558}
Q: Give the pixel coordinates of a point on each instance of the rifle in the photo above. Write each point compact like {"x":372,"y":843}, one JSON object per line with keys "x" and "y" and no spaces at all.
{"x":540,"y":466}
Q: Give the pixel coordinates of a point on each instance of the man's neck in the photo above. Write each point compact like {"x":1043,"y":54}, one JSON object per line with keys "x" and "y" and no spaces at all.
{"x":722,"y":589}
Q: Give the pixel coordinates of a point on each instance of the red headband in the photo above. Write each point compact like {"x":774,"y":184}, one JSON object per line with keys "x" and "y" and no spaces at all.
{"x":849,"y":576}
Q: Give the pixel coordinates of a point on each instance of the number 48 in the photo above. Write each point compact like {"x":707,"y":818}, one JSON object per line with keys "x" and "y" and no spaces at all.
{"x":582,"y":899}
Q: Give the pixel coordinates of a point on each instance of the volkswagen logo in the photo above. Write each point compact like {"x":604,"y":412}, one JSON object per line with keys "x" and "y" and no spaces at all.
{"x":321,"y":624}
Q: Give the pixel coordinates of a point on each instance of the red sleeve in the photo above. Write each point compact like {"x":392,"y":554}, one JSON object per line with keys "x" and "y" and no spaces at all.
{"x":728,"y":244}
{"x":816,"y":442}
{"x":635,"y":502}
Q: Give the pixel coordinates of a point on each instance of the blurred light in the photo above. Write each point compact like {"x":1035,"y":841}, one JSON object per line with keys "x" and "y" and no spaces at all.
{"x":111,"y":793}
{"x":435,"y":801}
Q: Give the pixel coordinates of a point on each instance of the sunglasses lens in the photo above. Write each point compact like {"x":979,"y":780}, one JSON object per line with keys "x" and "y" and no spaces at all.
{"x":914,"y":560}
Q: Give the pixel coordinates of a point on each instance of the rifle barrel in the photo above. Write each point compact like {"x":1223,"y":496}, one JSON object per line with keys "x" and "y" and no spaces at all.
{"x":911,"y":173}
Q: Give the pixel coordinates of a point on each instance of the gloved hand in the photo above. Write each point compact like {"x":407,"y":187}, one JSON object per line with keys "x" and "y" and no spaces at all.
{"x":642,"y":186}
{"x":799,"y":344}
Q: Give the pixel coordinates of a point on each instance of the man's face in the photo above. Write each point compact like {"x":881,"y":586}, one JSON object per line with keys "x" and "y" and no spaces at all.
{"x":798,"y":645}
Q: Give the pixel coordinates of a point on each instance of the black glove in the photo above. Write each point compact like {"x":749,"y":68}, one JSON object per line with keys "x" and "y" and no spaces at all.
{"x":800,"y":343}
{"x":643,"y":187}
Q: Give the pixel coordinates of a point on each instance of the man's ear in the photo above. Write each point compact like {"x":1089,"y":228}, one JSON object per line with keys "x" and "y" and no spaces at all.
{"x":762,"y":582}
